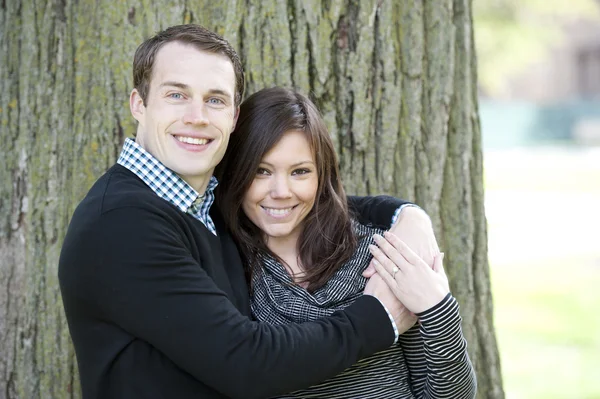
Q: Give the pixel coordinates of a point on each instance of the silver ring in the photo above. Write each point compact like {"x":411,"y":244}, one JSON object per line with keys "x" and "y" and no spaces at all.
{"x":394,"y":271}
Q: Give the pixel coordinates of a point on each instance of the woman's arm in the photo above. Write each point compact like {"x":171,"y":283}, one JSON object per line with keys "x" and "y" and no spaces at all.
{"x":436,"y":350}
{"x":436,"y":355}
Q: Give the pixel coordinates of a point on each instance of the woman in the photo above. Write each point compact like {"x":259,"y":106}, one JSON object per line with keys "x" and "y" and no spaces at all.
{"x":306,"y":254}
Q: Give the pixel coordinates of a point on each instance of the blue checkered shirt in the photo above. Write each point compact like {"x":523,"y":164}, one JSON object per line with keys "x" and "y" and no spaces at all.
{"x":167,"y":184}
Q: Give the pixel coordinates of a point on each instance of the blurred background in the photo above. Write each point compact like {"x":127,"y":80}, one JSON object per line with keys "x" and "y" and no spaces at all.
{"x":539,"y":78}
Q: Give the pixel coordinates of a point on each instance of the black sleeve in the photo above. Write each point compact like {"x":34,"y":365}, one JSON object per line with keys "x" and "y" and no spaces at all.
{"x":153,"y":288}
{"x":376,"y":211}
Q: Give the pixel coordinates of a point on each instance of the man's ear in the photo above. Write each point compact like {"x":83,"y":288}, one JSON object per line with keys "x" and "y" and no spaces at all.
{"x":136,"y":106}
{"x":235,"y":117}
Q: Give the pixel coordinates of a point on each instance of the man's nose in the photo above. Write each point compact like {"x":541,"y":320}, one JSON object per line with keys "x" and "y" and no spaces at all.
{"x":195,"y":114}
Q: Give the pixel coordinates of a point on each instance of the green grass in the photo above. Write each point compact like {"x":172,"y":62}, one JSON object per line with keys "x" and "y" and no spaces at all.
{"x":548,"y":328}
{"x":547,"y":309}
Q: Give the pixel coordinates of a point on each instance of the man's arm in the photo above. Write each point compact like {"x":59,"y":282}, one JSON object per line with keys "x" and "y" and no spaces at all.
{"x":377,"y":211}
{"x":147,"y":282}
{"x":414,"y":227}
{"x":408,"y":222}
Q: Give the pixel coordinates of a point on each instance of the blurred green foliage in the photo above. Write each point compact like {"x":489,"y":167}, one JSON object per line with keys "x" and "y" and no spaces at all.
{"x":511,"y":34}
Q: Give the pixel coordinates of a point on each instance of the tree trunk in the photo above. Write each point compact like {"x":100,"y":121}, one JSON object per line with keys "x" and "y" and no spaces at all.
{"x":396,"y":83}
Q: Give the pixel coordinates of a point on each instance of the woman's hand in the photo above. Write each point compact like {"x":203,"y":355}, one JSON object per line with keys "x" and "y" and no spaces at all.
{"x":418,"y":286}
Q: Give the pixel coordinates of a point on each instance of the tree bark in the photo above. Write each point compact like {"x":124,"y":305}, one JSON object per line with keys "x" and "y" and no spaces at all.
{"x":395,"y":81}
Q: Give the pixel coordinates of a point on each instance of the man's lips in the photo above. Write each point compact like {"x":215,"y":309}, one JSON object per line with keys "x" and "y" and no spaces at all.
{"x":192,"y":140}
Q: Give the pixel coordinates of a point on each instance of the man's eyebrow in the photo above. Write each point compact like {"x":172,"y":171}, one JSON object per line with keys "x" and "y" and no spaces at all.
{"x":180,"y":85}
{"x":221,"y":93}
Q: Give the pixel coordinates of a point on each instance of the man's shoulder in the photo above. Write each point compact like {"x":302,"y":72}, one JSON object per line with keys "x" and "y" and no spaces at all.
{"x":119,"y":190}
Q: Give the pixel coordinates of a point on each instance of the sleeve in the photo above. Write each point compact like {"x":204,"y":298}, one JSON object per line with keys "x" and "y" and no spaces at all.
{"x":436,"y":354}
{"x":377,"y":211}
{"x":151,"y":286}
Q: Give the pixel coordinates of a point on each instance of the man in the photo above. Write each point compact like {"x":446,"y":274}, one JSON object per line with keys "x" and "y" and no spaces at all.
{"x":152,"y":284}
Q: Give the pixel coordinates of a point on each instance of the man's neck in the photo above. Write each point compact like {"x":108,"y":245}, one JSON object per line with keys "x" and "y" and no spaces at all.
{"x":198,"y":183}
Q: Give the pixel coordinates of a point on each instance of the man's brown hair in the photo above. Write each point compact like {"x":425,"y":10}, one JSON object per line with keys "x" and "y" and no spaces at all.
{"x":195,"y":35}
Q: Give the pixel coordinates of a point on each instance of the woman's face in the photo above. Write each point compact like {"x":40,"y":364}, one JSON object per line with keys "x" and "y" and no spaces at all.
{"x":284,"y":189}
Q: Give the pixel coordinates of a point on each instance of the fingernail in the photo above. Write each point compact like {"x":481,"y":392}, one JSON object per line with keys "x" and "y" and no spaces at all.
{"x":442,"y":255}
{"x":372,"y":247}
{"x":377,"y":237}
{"x":386,"y":234}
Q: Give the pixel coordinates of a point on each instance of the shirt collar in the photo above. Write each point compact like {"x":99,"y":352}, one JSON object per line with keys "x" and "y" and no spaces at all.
{"x":163,"y":181}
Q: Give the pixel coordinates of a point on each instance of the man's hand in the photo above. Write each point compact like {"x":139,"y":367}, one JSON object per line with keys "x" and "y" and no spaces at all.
{"x":414,"y":228}
{"x":379,"y":289}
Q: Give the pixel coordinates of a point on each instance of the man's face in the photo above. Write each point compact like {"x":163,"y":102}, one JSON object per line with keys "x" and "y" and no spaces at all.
{"x":189,"y":111}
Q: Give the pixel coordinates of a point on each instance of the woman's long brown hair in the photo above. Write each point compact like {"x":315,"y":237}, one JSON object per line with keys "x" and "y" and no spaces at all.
{"x":327,"y":240}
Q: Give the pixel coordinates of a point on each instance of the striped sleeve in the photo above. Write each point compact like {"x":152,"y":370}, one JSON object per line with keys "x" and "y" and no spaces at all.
{"x":436,"y":354}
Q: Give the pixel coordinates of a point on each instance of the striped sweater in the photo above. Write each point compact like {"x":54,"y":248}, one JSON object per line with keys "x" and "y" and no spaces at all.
{"x":429,"y":361}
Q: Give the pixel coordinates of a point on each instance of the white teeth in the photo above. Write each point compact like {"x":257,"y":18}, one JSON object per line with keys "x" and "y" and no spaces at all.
{"x":278,"y":212}
{"x":192,"y":140}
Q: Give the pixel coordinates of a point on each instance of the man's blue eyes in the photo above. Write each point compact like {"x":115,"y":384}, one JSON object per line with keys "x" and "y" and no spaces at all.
{"x":212,"y":101}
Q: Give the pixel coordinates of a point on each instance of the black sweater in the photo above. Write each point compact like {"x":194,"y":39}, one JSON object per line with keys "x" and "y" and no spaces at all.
{"x":158,"y":306}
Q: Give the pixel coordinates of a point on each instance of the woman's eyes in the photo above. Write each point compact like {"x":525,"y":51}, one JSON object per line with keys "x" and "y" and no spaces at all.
{"x":295,"y":172}
{"x":262,"y":171}
{"x":301,"y":171}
